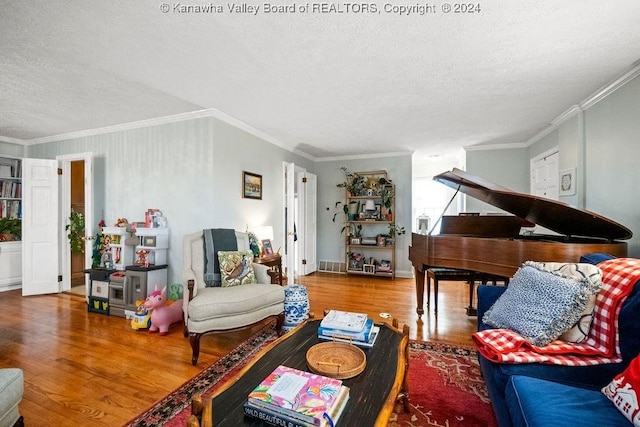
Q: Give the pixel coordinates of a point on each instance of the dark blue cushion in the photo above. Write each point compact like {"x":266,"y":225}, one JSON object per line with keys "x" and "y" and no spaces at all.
{"x":535,"y":402}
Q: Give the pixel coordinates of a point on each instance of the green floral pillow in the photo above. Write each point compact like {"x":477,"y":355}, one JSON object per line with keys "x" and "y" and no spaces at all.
{"x":236,"y":268}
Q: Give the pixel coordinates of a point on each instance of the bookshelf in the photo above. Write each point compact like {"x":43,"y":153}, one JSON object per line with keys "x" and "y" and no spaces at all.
{"x":10,"y":187}
{"x":10,"y":207}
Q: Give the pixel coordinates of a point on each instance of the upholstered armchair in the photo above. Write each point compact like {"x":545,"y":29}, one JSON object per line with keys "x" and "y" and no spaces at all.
{"x":223,"y":309}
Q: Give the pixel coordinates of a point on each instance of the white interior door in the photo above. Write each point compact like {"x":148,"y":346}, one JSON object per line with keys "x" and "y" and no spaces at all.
{"x":39,"y":226}
{"x":544,"y":176}
{"x":289,"y":190}
{"x":307,"y":214}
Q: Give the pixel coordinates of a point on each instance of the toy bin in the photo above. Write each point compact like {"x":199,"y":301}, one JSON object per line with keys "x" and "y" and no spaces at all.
{"x":99,"y":305}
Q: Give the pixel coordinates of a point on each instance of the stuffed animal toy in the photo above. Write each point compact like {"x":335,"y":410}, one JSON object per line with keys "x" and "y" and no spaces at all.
{"x":163,"y":313}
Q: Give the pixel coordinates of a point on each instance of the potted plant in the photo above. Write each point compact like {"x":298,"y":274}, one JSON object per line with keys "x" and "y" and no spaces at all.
{"x":388,"y":193}
{"x":75,"y":233}
{"x":10,"y":229}
{"x":253,"y":244}
{"x":354,"y":184}
{"x":395,"y":230}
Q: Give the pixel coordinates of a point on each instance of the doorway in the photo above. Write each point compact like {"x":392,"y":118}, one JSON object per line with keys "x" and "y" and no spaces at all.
{"x":78,"y":206}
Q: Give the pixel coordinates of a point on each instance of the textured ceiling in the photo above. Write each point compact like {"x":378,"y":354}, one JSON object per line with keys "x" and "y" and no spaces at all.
{"x":328,"y":84}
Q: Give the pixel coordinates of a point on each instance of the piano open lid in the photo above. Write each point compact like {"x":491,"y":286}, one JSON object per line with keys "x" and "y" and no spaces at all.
{"x":552,"y":214}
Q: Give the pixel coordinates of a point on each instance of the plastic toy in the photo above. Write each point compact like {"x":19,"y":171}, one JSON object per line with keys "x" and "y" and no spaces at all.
{"x":141,"y":318}
{"x":163,"y":313}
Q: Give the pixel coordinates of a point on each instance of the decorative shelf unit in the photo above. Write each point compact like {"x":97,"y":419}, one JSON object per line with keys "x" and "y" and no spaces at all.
{"x":153,"y":241}
{"x":370,"y":246}
{"x":121,"y":253}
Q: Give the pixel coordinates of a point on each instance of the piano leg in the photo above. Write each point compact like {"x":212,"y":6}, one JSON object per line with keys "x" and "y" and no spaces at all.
{"x":420,"y":291}
{"x":471,"y":310}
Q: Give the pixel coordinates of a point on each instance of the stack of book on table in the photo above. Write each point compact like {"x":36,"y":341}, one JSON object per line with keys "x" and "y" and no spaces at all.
{"x":289,"y":397}
{"x":344,"y":326}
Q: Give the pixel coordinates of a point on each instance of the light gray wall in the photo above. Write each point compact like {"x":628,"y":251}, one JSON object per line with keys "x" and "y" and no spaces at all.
{"x":568,"y":138}
{"x":612,"y":136}
{"x":190,"y":170}
{"x":12,"y":150}
{"x":330,"y":240}
{"x":508,"y":167}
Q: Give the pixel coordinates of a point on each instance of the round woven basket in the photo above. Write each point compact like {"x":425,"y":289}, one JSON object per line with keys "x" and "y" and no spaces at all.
{"x":336,"y":359}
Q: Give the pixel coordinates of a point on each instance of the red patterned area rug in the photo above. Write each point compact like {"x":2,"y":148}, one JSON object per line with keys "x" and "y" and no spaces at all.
{"x":445,"y":387}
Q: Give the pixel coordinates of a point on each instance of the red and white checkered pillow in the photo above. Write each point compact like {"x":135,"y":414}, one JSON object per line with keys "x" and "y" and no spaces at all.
{"x":623,"y":391}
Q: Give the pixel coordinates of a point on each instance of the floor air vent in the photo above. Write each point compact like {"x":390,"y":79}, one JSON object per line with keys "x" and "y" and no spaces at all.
{"x":332,"y":267}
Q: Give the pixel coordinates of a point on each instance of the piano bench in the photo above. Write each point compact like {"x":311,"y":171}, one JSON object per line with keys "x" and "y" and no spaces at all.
{"x":453,"y":274}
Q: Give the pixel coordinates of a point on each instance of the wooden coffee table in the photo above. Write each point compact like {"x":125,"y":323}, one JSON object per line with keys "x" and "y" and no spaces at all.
{"x":373,"y":394}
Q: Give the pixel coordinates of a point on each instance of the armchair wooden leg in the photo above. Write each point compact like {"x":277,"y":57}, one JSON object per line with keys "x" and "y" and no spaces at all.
{"x":279,"y":324}
{"x":194,"y":340}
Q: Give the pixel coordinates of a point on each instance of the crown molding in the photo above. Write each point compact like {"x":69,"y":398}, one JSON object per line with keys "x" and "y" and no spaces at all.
{"x":12,"y":140}
{"x":588,"y":102}
{"x":495,"y":146}
{"x":611,"y":87}
{"x":364,"y":156}
{"x":572,"y":111}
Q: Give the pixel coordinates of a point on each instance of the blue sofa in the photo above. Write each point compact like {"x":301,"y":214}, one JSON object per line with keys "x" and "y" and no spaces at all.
{"x":532,"y":394}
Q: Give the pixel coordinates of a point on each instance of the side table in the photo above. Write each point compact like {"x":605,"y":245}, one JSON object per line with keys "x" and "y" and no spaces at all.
{"x":273,"y":261}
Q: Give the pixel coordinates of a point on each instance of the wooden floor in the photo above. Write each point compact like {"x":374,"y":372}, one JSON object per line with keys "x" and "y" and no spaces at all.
{"x":85,"y":368}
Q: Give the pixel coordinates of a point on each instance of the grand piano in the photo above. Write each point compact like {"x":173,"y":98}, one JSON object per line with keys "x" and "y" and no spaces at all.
{"x":494,"y":245}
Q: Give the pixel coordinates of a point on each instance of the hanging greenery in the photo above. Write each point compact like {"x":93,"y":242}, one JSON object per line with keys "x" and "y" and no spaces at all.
{"x":75,"y":233}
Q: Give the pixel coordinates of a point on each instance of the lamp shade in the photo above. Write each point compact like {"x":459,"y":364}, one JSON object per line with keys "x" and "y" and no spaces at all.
{"x":264,"y":232}
{"x":369,"y":205}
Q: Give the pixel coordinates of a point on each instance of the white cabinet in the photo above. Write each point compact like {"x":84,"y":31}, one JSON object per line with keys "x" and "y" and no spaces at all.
{"x":153,"y":244}
{"x":121,"y":253}
{"x":10,"y":265}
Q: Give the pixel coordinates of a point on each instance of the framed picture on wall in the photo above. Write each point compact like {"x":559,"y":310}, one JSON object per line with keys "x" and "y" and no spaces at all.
{"x":251,"y":185}
{"x":567,"y":182}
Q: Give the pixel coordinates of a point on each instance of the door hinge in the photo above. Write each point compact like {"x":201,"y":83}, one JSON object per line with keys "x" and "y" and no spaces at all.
{"x":59,"y":171}
{"x":304,"y":262}
{"x":60,"y":278}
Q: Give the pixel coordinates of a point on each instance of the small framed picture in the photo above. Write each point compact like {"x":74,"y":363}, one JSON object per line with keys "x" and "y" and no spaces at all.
{"x":251,"y":185}
{"x":567,"y":182}
{"x":268,"y":249}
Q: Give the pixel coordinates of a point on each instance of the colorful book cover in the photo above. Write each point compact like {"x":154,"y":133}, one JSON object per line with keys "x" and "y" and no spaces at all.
{"x":358,"y":336}
{"x":284,"y":420}
{"x":344,"y":320}
{"x":302,"y":395}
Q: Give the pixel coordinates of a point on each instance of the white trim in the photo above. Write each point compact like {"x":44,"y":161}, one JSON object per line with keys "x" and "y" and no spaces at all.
{"x":495,"y":146}
{"x":611,"y":87}
{"x":12,"y":140}
{"x":364,"y":156}
{"x":569,"y":113}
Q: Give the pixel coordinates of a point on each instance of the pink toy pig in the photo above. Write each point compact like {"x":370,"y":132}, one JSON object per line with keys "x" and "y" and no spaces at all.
{"x":163,"y":315}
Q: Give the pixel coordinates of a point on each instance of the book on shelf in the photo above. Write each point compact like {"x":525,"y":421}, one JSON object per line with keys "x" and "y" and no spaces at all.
{"x":299,"y":395}
{"x":375,"y":331}
{"x":285,"y":420}
{"x":357,"y":336}
{"x":344,"y":320}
